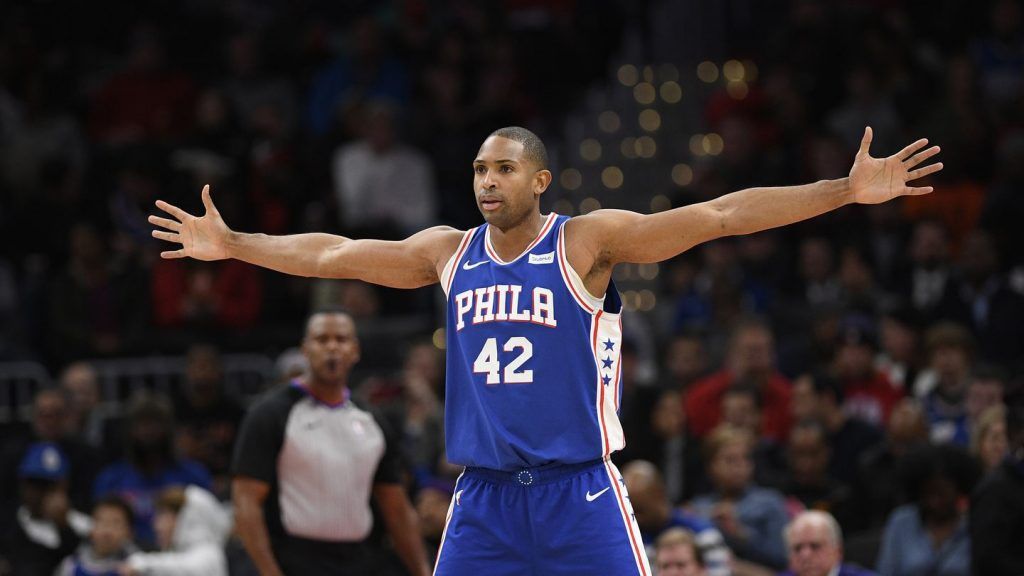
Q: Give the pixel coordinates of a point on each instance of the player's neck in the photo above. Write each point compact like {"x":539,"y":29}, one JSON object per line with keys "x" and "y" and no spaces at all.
{"x":511,"y":242}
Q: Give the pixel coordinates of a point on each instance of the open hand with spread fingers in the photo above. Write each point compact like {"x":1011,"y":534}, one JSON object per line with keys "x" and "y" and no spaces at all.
{"x":202,"y":238}
{"x":876,"y":180}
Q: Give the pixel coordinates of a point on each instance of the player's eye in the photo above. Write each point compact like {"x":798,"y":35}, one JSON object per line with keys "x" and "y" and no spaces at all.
{"x":506,"y":169}
{"x":479,"y":169}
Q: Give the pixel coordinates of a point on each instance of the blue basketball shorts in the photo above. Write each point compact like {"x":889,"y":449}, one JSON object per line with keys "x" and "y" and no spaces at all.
{"x":547,"y":521}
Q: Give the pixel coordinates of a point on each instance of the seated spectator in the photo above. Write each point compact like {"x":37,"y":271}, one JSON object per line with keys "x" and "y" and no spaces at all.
{"x":204,"y":296}
{"x":989,"y":443}
{"x":150,"y":464}
{"x":878,"y":489}
{"x":88,"y":420}
{"x":741,"y":407}
{"x":809,"y":480}
{"x":207,"y":418}
{"x":997,"y":508}
{"x":686,"y":359}
{"x":985,"y":390}
{"x":899,"y":338}
{"x":926,"y":281}
{"x":94,"y":308}
{"x":665,"y":442}
{"x":47,"y":529}
{"x":191,"y":529}
{"x":819,"y":397}
{"x":750,"y":517}
{"x":996,"y":308}
{"x":950,"y":351}
{"x":867,"y":392}
{"x":656,"y":516}
{"x":49,"y":424}
{"x":380,"y":183}
{"x":815,"y":544}
{"x":109,"y":544}
{"x":929,"y":535}
{"x":676,"y":554}
{"x":751,"y":358}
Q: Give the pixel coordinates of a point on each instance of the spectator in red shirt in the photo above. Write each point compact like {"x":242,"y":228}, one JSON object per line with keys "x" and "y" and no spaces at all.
{"x":868,"y":393}
{"x":751,"y":358}
{"x":198,"y":295}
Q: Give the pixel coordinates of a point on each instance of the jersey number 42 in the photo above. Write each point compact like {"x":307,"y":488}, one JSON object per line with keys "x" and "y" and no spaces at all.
{"x":488,"y":362}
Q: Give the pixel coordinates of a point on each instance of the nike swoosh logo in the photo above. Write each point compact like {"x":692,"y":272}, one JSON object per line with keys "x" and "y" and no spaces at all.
{"x":468,"y":266}
{"x":592,"y":497}
{"x":458,"y":498}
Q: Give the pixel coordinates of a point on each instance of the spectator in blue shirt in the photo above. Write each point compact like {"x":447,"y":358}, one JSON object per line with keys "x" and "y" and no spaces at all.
{"x":750,"y":517}
{"x":150,"y":465}
{"x":929,"y":536}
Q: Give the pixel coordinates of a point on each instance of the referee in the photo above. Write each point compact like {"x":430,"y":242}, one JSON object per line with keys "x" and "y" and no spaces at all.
{"x":306,"y":464}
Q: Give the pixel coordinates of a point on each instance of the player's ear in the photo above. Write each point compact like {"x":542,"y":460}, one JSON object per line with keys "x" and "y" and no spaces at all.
{"x":541,"y":181}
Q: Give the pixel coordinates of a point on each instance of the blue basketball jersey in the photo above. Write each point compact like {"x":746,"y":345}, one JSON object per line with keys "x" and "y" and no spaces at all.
{"x":533,"y":373}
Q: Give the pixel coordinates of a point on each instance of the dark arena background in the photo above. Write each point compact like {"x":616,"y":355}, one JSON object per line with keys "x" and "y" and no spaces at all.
{"x":868,"y":362}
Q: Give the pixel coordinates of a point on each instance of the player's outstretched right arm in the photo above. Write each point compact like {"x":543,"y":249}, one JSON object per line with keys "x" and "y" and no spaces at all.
{"x":410,"y":263}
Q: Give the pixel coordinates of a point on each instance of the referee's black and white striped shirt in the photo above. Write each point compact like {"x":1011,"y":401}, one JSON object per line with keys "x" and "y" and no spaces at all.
{"x":320,"y":460}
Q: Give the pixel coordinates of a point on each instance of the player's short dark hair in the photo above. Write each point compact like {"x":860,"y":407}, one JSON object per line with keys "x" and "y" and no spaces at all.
{"x":117,"y":503}
{"x":533,"y":148}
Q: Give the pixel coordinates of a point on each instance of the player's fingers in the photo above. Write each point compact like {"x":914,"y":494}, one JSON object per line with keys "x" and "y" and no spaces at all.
{"x":919,"y":191}
{"x":922,"y":172}
{"x":173,"y":210}
{"x":168,"y":236}
{"x":913,"y":147}
{"x":172,"y":225}
{"x":921,"y":157}
{"x":171,"y":254}
{"x":208,"y":201}
{"x":865,"y":142}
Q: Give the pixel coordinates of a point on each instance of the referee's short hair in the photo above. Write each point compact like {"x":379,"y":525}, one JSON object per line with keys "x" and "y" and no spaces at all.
{"x":326,"y":310}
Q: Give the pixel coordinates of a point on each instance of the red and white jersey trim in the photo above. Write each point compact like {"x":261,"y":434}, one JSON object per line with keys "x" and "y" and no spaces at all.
{"x":572,"y":279}
{"x":448,"y":274}
{"x":493,"y":254}
{"x":605,"y":327}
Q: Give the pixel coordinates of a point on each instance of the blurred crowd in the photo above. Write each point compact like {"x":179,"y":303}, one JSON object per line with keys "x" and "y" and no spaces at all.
{"x":869,"y":363}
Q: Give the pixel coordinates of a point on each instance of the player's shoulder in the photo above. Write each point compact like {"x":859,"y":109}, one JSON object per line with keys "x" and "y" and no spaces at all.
{"x":440,"y":241}
{"x":600,"y":224}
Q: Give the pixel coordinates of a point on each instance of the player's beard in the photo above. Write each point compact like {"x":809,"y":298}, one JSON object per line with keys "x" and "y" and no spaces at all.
{"x":508,"y":217}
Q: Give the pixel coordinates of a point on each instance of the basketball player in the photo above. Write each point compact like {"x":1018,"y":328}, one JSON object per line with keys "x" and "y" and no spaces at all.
{"x":534,"y":338}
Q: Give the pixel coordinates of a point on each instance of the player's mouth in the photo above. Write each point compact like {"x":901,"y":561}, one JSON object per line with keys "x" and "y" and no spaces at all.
{"x":489,"y":204}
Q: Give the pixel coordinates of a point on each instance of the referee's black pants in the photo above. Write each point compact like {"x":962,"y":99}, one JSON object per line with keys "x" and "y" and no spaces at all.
{"x":304,"y":557}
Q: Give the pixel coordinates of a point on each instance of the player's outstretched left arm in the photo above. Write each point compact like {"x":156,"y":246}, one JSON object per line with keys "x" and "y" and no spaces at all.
{"x":613,"y":236}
